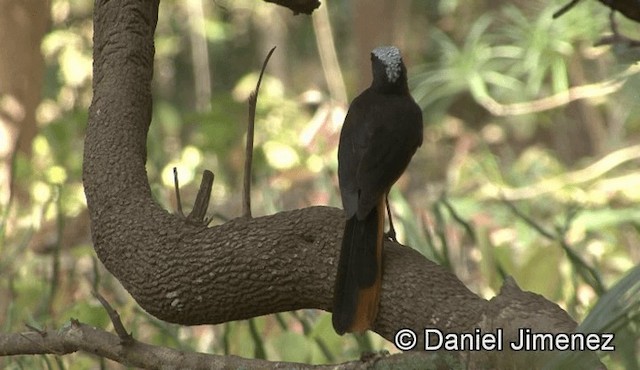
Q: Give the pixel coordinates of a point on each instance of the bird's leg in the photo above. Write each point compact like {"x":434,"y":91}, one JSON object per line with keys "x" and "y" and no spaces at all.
{"x":391,"y":235}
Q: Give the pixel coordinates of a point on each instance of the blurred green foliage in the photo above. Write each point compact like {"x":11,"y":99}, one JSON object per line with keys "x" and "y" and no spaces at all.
{"x":487,"y":196}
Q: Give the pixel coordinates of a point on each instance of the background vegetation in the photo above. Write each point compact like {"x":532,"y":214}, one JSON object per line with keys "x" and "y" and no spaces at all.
{"x":515,"y":177}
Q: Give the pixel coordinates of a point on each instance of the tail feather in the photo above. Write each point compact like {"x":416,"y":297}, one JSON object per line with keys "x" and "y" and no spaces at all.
{"x":357,"y":291}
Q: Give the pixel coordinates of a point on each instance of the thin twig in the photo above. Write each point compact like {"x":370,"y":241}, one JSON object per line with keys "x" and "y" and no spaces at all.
{"x":565,"y":9}
{"x":452,"y":211}
{"x":529,"y":221}
{"x":591,"y":276}
{"x":253,"y":101}
{"x":177,"y":187}
{"x":125,"y":337}
{"x":588,"y":273}
{"x":392,"y":230}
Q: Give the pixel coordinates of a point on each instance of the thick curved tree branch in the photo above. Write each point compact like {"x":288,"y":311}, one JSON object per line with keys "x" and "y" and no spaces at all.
{"x":191,"y":274}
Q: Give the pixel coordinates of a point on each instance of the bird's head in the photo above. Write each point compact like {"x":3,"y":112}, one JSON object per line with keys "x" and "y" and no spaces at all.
{"x":389,"y":72}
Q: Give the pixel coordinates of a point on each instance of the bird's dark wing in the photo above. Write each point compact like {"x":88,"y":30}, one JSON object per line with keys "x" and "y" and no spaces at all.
{"x":394,"y":134}
{"x":354,"y":141}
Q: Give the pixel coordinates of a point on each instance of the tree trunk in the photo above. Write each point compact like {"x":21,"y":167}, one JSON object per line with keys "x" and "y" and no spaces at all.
{"x":23,"y":23}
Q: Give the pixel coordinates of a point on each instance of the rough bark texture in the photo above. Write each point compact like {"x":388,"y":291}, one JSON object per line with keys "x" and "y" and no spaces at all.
{"x":247,"y":267}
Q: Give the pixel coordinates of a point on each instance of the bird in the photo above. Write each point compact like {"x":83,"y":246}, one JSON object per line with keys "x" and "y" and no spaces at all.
{"x":380,"y":134}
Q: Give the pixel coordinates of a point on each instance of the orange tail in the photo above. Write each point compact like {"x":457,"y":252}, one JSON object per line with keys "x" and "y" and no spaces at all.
{"x":357,"y":291}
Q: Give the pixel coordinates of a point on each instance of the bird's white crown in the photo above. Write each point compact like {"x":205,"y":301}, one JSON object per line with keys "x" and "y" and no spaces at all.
{"x":391,"y":58}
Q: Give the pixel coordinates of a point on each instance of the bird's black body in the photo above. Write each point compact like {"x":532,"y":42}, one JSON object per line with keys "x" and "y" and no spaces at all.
{"x":381,"y":132}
